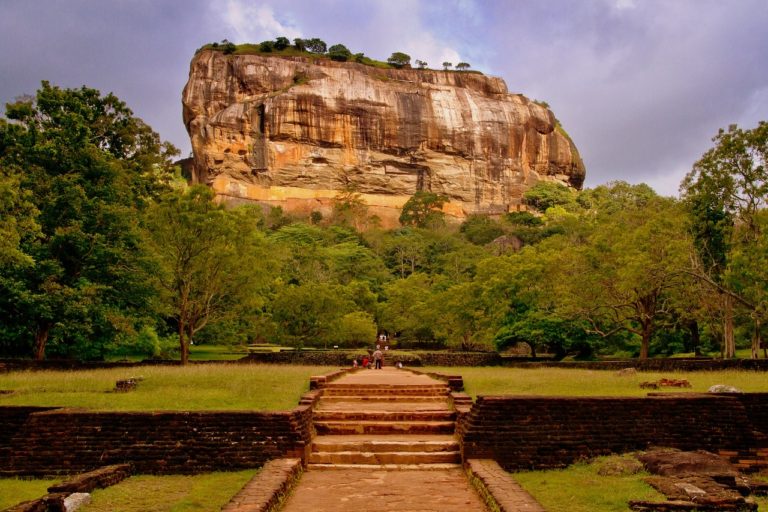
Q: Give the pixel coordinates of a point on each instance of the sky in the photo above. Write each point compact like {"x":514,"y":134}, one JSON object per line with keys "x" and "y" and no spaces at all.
{"x":641,"y":86}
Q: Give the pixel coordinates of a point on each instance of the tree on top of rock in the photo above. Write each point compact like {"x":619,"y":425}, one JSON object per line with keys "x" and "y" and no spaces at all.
{"x":399,"y":60}
{"x":315,"y":45}
{"x":339,"y":52}
{"x":463,"y":66}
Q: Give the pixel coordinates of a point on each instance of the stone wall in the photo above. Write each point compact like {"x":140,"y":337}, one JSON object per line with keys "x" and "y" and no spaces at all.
{"x":551,"y":432}
{"x":69,"y":441}
{"x":344,"y":358}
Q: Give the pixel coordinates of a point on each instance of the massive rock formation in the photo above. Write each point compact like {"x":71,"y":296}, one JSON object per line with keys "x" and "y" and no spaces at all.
{"x":293,"y":131}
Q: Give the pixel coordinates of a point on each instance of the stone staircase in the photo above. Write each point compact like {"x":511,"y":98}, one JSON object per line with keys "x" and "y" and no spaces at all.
{"x":384,"y":425}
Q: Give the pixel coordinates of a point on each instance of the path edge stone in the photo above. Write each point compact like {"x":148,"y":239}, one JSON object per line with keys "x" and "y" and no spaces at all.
{"x":498,"y":489}
{"x":268,"y":489}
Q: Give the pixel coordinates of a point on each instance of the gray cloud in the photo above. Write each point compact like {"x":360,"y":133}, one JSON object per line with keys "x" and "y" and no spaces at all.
{"x":641,"y":85}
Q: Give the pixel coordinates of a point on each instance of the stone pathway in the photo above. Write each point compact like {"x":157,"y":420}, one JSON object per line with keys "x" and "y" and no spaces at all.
{"x":376,"y":490}
{"x":385,"y":443}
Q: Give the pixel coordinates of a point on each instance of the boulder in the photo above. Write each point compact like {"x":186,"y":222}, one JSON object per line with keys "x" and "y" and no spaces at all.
{"x":294,"y":131}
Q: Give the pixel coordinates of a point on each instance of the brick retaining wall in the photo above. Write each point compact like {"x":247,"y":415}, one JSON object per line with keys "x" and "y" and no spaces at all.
{"x":70,"y":441}
{"x":549,"y":432}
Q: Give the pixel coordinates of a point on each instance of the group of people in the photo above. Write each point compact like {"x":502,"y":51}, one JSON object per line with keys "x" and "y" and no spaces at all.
{"x":376,"y":360}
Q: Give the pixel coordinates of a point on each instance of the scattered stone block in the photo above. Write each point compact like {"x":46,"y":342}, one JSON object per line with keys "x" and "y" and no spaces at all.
{"x":76,"y":500}
{"x":723,"y":388}
{"x":649,"y":385}
{"x":697,"y":480}
{"x":125,"y":385}
{"x":626,"y":372}
{"x":674,"y":383}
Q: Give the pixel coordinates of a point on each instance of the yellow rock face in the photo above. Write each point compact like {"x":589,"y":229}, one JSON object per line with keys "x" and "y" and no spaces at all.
{"x":294,"y":131}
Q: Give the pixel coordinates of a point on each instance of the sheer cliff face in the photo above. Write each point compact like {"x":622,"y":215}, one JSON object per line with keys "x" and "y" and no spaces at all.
{"x":294,"y":131}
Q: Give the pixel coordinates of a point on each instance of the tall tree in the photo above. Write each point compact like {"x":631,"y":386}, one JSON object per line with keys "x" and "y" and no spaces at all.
{"x":423,"y":209}
{"x":76,"y":168}
{"x":211,"y":262}
{"x":623,"y":271}
{"x":726,"y":191}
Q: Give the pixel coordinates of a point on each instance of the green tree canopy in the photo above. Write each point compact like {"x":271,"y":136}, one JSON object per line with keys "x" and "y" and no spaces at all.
{"x":339,"y":52}
{"x":423,"y":209}
{"x":76,"y":168}
{"x":211,"y":262}
{"x":399,"y":60}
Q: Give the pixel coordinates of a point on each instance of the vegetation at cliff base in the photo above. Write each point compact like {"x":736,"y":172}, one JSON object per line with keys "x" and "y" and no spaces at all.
{"x":106,"y":252}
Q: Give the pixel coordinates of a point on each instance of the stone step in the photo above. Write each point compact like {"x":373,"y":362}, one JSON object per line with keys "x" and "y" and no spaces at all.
{"x":375,"y":444}
{"x":407,"y":457}
{"x":374,"y":415}
{"x":378,"y":392}
{"x":384,"y":406}
{"x":388,"y":467}
{"x":384,"y":398}
{"x":384,"y":427}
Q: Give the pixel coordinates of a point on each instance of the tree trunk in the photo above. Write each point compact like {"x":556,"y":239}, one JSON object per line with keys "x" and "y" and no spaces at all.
{"x":41,"y":339}
{"x":756,"y":339}
{"x":729,"y":342}
{"x":693,"y":326}
{"x":645,"y":342}
{"x":183,"y":342}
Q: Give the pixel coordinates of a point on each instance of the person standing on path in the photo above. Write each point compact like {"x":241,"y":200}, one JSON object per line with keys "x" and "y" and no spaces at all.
{"x":378,"y":358}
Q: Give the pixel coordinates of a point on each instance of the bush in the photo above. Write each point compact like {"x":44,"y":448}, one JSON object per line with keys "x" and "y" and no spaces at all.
{"x":339,"y":52}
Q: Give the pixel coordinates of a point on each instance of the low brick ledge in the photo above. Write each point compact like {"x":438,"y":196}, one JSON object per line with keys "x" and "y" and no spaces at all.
{"x":266,"y":491}
{"x":499,"y":490}
{"x":97,"y":479}
{"x":454,"y":382}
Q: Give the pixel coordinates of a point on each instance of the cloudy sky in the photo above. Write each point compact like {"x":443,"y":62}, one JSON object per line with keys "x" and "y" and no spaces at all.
{"x":641,"y":85}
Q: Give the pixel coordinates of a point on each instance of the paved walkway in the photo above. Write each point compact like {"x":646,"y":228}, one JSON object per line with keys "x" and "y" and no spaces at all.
{"x":387,"y":376}
{"x":370,"y":490}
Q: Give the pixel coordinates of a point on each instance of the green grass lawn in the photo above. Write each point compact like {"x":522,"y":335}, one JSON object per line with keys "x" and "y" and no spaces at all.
{"x":196,"y":353}
{"x":170,"y":493}
{"x":579,"y":488}
{"x":195,"y":387}
{"x":16,"y":490}
{"x":575,"y":382}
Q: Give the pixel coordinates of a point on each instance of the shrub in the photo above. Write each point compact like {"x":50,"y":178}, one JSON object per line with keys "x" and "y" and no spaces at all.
{"x":339,"y":52}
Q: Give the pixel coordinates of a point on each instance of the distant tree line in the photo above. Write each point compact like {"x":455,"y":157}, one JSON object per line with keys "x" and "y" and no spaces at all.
{"x":104,"y":251}
{"x":337,"y":52}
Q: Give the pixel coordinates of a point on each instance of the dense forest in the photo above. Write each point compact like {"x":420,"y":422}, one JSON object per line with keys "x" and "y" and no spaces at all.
{"x":104,"y":249}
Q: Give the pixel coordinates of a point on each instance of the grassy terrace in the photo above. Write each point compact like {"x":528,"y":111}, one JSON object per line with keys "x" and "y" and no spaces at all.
{"x":579,"y":488}
{"x":195,"y":387}
{"x":574,"y":382}
{"x":171,"y":493}
{"x":278,"y":387}
{"x":168,"y":493}
{"x":16,"y":490}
